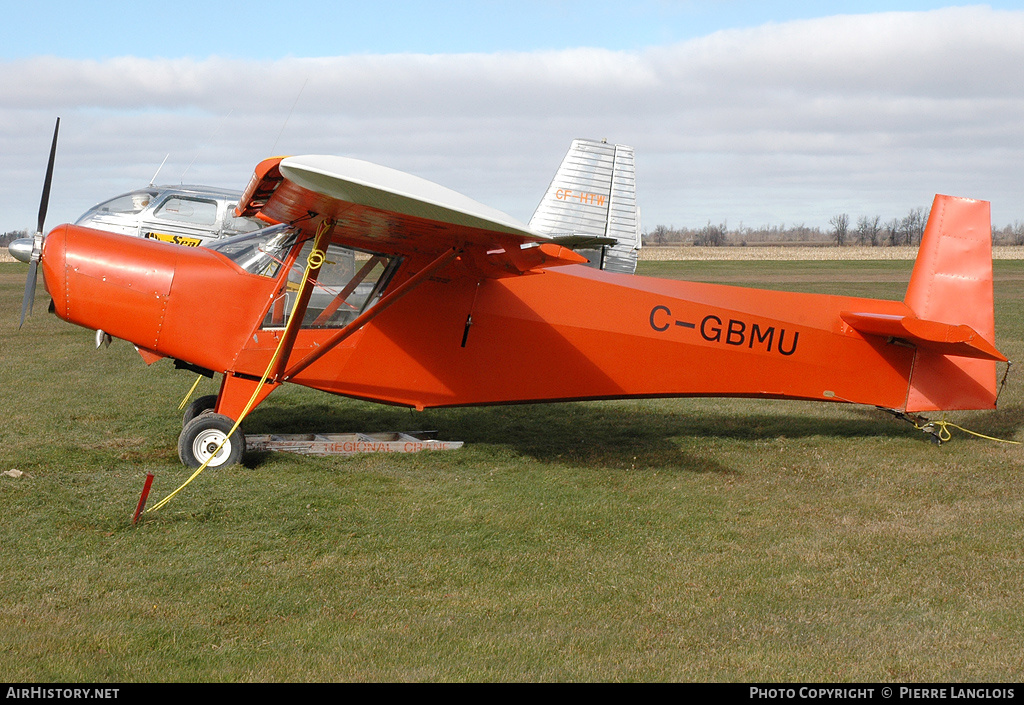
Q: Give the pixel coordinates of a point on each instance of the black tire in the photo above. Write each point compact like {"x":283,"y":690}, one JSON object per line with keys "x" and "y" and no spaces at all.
{"x":199,"y":406}
{"x":201,"y":437}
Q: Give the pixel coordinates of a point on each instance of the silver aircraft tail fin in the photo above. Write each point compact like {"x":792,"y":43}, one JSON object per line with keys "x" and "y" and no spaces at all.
{"x":590,"y":205}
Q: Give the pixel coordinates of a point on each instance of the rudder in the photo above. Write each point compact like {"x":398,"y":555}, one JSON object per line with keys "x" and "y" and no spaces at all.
{"x":952,"y":283}
{"x":590,"y":205}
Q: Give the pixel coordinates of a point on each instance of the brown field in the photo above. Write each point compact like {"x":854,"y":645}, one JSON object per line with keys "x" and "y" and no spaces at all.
{"x":776,"y":252}
{"x":779,"y":252}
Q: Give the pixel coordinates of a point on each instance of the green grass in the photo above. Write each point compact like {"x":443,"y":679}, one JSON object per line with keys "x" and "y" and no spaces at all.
{"x":696,"y":540}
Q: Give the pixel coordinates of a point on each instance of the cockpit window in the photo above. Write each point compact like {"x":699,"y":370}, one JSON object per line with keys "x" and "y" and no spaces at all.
{"x":127,"y":204}
{"x":261,"y":252}
{"x":188,"y":210}
{"x":239,"y":225}
{"x":349,"y":282}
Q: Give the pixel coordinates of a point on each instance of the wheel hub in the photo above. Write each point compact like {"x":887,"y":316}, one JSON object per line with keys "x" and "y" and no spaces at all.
{"x":206,"y":444}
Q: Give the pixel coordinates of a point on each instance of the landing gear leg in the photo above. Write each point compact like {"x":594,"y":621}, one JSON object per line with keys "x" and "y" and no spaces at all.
{"x":236,"y":391}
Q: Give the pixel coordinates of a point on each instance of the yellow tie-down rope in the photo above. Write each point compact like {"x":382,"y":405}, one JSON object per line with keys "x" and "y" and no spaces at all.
{"x":314,"y":260}
{"x":188,"y":396}
{"x":941,"y":431}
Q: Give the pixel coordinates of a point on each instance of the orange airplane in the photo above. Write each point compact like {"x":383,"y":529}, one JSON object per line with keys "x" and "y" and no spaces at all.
{"x":378,"y":285}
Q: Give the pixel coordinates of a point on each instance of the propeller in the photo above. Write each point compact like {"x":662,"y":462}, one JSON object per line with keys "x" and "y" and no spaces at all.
{"x":37,"y":241}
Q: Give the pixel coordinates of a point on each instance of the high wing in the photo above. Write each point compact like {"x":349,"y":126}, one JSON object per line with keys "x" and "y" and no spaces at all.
{"x":388,"y":211}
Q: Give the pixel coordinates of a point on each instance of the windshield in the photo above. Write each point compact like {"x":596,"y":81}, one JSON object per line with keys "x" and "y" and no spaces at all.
{"x":260,"y":252}
{"x":126,"y":204}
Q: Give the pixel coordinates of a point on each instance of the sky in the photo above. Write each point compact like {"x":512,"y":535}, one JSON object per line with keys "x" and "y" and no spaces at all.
{"x":750,"y":113}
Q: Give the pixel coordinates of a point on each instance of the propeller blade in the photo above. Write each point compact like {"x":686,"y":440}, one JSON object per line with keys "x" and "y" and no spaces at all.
{"x":37,"y":242}
{"x":30,"y":291}
{"x":44,"y":202}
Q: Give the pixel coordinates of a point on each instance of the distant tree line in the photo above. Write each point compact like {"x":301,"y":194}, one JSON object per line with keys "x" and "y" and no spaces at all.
{"x":868,"y":230}
{"x":11,"y":235}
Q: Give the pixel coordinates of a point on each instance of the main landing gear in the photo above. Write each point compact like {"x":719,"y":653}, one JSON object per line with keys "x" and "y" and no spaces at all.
{"x":203,"y":435}
{"x":208,"y":420}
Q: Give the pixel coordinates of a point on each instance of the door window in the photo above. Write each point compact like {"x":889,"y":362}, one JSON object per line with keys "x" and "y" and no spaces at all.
{"x":349,"y":282}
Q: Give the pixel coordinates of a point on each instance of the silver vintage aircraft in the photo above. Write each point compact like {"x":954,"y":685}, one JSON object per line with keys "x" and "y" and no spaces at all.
{"x":593,"y":173}
{"x":184,"y":215}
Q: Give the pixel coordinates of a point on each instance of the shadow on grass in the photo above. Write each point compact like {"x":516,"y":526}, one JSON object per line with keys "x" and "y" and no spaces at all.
{"x":611,"y":434}
{"x":574,"y":434}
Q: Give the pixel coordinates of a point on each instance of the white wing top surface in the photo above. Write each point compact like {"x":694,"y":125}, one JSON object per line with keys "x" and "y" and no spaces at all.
{"x":374,"y":186}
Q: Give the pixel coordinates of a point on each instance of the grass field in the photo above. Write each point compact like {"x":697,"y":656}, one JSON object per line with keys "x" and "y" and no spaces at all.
{"x":683,"y":540}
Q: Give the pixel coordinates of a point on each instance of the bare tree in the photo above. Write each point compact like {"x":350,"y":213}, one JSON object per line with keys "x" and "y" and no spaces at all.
{"x":840,"y":228}
{"x":8,"y":237}
{"x":912,"y":226}
{"x":713,"y":235}
{"x":869,"y":230}
{"x":892,"y":232}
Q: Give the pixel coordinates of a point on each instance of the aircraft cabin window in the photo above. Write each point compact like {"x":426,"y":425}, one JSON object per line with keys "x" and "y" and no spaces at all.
{"x":239,"y":225}
{"x":195,"y":211}
{"x":349,"y":282}
{"x":261,"y":252}
{"x":129,"y":203}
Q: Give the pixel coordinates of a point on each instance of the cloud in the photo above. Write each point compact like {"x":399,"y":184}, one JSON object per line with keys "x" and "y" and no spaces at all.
{"x":791,"y":122}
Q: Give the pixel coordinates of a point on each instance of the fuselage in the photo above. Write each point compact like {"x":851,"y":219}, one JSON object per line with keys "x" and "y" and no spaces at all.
{"x":568,"y":332}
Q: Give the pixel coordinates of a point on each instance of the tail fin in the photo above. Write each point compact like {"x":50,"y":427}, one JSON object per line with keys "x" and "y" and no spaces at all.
{"x":952,"y":284}
{"x":591,"y":205}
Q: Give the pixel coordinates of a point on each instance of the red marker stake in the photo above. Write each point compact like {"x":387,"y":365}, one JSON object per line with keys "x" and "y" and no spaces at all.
{"x":143,"y":497}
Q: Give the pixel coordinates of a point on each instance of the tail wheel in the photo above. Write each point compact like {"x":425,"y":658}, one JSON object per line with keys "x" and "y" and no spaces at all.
{"x":203,"y":435}
{"x":199,"y":406}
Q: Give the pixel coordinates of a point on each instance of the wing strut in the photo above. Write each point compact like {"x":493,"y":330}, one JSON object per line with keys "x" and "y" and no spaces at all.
{"x":368,"y":315}
{"x":315,"y":261}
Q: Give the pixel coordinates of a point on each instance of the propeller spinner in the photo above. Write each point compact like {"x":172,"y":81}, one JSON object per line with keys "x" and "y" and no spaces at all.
{"x":19,"y":248}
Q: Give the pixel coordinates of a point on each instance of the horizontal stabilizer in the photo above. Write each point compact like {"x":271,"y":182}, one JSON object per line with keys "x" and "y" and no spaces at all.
{"x":542,"y":256}
{"x":943,"y":338}
{"x":583,"y":241}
